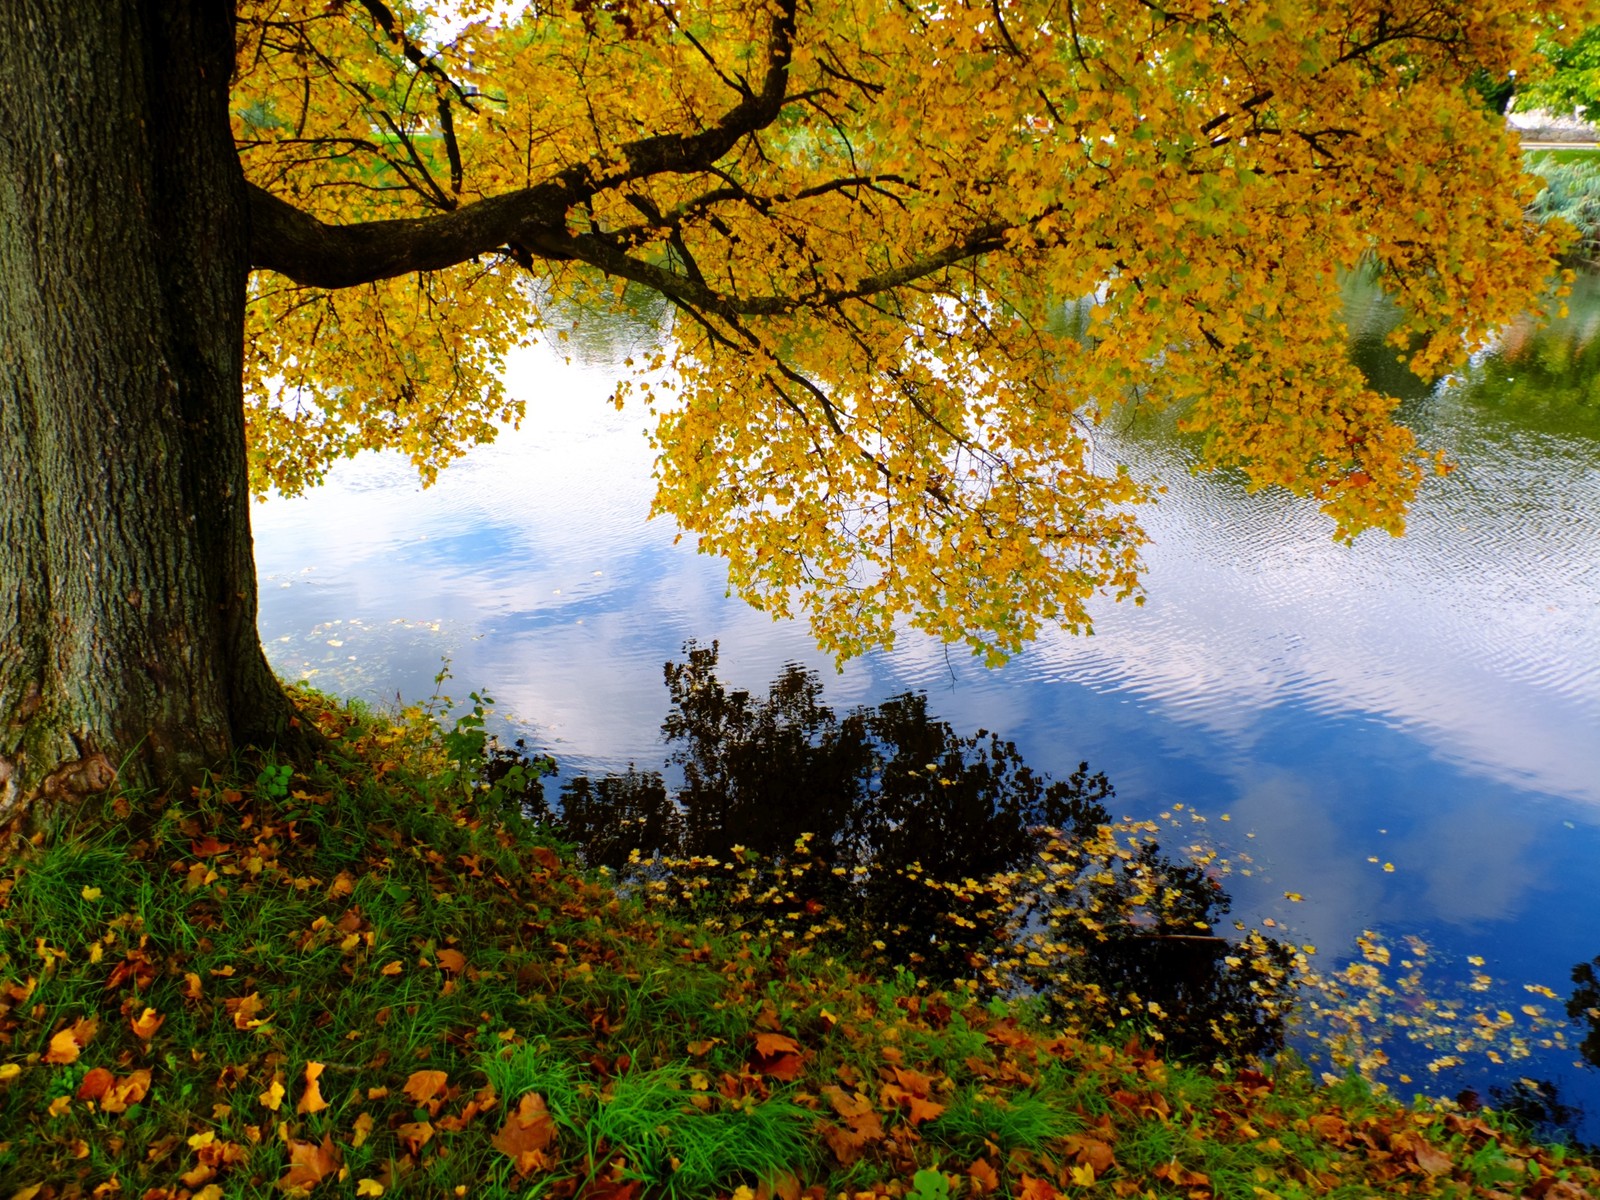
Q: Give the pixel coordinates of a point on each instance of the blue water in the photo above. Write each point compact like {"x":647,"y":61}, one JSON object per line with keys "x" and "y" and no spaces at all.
{"x":1431,"y":702}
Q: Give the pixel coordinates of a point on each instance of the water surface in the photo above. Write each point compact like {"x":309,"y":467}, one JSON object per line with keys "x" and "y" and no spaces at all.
{"x":1431,"y":702}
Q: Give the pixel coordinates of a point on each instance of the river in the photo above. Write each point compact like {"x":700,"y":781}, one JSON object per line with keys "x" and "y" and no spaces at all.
{"x":1404,"y":732}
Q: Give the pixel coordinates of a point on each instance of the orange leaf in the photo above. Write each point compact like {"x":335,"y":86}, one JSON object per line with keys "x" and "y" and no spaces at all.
{"x":68,"y":1043}
{"x":414,"y":1135}
{"x":423,"y":1086}
{"x":128,"y":1090}
{"x":145,"y":1025}
{"x":392,"y":968}
{"x":547,"y":858}
{"x":775,"y":1043}
{"x":1036,"y":1189}
{"x":309,"y":1164}
{"x":244,"y":1010}
{"x":1330,"y":1128}
{"x":311,"y":1100}
{"x":527,"y":1133}
{"x":984,"y":1177}
{"x":1091,"y":1151}
{"x":787,"y":1067}
{"x":94,"y":1084}
{"x":451,"y":960}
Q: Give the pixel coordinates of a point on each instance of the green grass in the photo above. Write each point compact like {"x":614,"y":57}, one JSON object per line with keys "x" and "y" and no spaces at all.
{"x":361,"y":980}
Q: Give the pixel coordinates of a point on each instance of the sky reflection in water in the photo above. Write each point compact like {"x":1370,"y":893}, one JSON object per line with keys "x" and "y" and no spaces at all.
{"x":1433,"y":701}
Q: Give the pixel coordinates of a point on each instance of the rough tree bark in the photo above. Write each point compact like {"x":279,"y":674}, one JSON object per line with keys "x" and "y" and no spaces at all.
{"x":128,"y":642}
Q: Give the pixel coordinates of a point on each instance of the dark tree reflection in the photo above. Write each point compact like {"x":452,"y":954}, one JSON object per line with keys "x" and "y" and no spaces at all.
{"x":920,"y":847}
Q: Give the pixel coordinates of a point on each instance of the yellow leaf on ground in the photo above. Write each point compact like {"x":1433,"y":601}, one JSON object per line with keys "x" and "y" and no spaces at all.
{"x":273,"y":1096}
{"x":369,"y":1187}
{"x":311,"y":1100}
{"x":68,"y":1043}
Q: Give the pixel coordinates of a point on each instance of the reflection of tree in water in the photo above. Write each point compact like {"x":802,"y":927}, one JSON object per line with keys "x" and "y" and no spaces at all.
{"x":919,"y":842}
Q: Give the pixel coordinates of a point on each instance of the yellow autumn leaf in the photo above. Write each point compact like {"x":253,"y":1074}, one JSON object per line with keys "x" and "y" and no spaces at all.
{"x":273,"y":1096}
{"x":369,"y":1187}
{"x":311,"y":1100}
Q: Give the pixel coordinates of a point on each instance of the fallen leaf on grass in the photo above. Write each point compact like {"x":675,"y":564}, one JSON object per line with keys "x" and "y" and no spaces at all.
{"x":144,"y":1026}
{"x":451,"y":960}
{"x":311,"y":1100}
{"x":244,"y":1010}
{"x":126,"y":1091}
{"x":273,"y":1096}
{"x":68,"y":1043}
{"x":95,"y":1083}
{"x":859,"y":1125}
{"x":910,"y":1091}
{"x":527,"y":1133}
{"x":1091,"y":1152}
{"x":309,"y":1164}
{"x":985,"y":1178}
{"x":423,"y":1086}
{"x":1433,"y":1161}
{"x":414,"y":1135}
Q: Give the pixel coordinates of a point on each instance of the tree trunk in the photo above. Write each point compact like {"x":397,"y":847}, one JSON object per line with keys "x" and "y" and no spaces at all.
{"x":128,"y":645}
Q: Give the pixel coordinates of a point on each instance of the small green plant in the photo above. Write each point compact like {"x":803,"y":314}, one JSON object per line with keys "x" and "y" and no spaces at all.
{"x":929,"y":1184}
{"x":273,"y":781}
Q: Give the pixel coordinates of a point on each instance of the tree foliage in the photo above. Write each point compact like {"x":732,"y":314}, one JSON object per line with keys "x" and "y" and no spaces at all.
{"x":873,"y":220}
{"x":1568,"y":78}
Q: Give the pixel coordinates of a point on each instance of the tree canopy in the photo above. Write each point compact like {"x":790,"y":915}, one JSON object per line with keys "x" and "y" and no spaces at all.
{"x":876,"y":222}
{"x":916,"y":250}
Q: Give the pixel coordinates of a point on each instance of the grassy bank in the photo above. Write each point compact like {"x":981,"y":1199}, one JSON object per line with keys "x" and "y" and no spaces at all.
{"x":356,"y":983}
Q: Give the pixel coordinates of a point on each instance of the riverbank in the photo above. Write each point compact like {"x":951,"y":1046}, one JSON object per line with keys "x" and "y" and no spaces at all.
{"x":366,"y":980}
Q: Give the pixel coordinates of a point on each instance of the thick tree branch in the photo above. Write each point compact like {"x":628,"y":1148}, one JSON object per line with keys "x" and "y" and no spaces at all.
{"x":531,"y":222}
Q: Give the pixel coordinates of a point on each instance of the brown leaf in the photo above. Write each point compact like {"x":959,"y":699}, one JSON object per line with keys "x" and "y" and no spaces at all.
{"x":451,"y":960}
{"x":528,"y":1131}
{"x":94,"y":1084}
{"x":1330,"y":1128}
{"x":414,"y":1135}
{"x":859,"y":1125}
{"x":1091,"y":1151}
{"x":309,"y":1164}
{"x":547,"y":858}
{"x":1432,"y":1160}
{"x":787,"y":1067}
